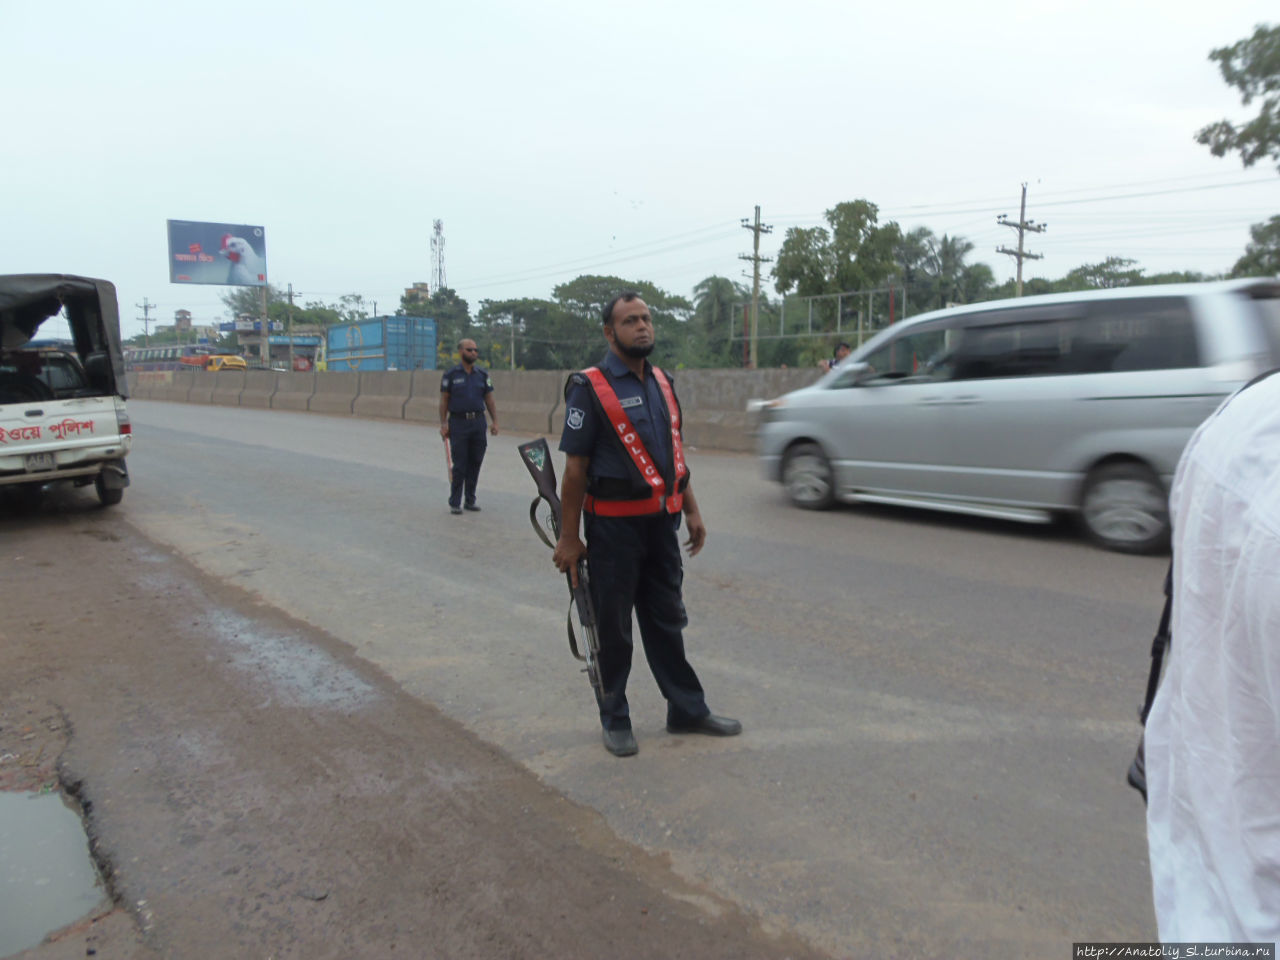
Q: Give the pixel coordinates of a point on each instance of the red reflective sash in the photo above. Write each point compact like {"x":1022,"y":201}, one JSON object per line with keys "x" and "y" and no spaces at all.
{"x":657,"y":501}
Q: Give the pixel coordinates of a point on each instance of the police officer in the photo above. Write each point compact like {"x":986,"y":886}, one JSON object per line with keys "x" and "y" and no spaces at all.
{"x":465,"y":392}
{"x":625,"y":475}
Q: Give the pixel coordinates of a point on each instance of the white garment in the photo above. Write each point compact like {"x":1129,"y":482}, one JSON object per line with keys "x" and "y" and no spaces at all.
{"x":1213,"y":736}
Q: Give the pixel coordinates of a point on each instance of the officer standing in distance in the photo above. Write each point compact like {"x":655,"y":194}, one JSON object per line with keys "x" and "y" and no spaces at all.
{"x":465,"y":392}
{"x":626,"y":477}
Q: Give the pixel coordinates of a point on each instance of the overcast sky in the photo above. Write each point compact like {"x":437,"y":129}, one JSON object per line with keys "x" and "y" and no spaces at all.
{"x":586,"y":136}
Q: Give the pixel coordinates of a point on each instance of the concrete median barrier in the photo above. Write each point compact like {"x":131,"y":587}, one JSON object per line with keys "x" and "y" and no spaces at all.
{"x":293,"y":391}
{"x":527,"y":399}
{"x":176,"y":388}
{"x":383,"y":394}
{"x":259,"y":387}
{"x":424,"y":397}
{"x":715,"y":403}
{"x":335,"y":393}
{"x":227,"y":387}
{"x":202,"y":384}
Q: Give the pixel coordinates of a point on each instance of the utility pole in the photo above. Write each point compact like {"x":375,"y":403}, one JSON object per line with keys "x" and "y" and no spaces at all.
{"x":1023,"y":226}
{"x":145,"y":306}
{"x":289,"y":326}
{"x":437,"y":255}
{"x":756,"y":229}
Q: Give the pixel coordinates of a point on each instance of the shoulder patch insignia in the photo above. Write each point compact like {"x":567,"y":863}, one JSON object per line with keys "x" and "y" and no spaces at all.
{"x":574,"y":417}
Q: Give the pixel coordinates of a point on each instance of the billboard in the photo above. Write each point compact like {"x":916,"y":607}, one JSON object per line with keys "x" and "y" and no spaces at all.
{"x":228,"y":254}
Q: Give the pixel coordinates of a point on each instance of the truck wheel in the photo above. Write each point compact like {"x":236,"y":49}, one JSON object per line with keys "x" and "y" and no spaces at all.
{"x":109,"y":496}
{"x":1124,"y":507}
{"x":807,"y":476}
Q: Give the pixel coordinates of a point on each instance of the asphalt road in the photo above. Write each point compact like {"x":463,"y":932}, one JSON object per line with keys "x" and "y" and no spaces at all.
{"x":938,"y":711}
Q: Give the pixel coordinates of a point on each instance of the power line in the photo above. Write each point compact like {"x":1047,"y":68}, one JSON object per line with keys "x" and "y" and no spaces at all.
{"x":940,"y":209}
{"x":592,"y":260}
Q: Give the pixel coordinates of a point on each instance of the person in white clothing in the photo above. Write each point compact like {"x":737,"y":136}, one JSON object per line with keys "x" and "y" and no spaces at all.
{"x":1213,"y":736}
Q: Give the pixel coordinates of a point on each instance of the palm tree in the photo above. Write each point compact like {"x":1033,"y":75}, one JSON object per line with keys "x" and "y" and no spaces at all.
{"x":714,"y":301}
{"x":952,"y":252}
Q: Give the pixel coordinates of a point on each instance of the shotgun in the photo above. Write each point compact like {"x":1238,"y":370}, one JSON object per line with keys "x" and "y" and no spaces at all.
{"x":536,"y":456}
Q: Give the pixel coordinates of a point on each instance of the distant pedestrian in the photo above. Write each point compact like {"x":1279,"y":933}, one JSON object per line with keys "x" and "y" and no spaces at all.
{"x":625,"y":473}
{"x":842,"y":350}
{"x":465,"y":393}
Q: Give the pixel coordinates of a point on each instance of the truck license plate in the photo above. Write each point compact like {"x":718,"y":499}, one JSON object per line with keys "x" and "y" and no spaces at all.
{"x":38,"y":462}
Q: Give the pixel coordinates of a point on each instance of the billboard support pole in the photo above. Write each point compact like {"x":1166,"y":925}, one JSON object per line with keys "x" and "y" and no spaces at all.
{"x":288,"y":327}
{"x":264,"y":349}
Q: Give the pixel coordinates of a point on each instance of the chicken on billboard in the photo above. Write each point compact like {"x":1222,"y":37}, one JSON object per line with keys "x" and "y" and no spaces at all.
{"x":228,"y":254}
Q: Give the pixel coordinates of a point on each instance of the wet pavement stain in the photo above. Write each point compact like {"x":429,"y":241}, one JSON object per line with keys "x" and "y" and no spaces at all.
{"x":47,"y":879}
{"x":298,"y":672}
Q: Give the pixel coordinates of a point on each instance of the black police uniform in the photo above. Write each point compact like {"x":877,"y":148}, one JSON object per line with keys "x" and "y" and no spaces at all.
{"x":467,"y":441}
{"x":634,"y":562}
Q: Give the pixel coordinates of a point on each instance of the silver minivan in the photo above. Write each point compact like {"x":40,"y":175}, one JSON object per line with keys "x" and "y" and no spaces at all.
{"x":1022,"y":409}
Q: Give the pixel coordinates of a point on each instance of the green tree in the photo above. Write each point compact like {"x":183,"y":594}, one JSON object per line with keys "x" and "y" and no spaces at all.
{"x":716,"y":317}
{"x":1110,"y":273}
{"x":247,"y":301}
{"x":546,"y":336}
{"x":853,"y":252}
{"x":351,"y":308}
{"x":958,"y":281}
{"x":1262,"y":254}
{"x":585,"y":297}
{"x":935,"y":270}
{"x":1252,"y":66}
{"x":452,"y":315}
{"x":916,"y":254}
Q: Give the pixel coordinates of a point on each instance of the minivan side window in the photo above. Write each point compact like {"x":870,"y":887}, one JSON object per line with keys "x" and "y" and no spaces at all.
{"x":1131,"y":334}
{"x":915,"y":354}
{"x":1031,"y":348}
{"x":1113,"y":336}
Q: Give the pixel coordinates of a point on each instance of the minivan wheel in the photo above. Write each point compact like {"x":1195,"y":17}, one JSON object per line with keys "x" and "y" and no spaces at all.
{"x":109,"y":496}
{"x":806,"y":474}
{"x":1124,"y":507}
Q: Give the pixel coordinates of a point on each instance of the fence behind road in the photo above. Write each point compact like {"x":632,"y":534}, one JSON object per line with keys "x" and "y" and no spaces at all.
{"x":529,"y":401}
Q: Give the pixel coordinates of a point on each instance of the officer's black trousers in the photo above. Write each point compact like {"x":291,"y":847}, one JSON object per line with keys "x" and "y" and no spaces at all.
{"x":635,"y":564}
{"x":467,"y":443}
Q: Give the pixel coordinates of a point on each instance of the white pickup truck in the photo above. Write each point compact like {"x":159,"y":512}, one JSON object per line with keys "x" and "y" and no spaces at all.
{"x":62,"y":406}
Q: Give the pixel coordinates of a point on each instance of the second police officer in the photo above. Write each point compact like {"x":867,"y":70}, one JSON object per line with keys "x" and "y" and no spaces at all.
{"x":465,"y":393}
{"x":625,"y":476}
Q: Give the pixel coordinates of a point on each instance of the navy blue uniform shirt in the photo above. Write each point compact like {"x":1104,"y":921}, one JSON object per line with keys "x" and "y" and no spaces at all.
{"x":466,"y":390}
{"x":587,"y":433}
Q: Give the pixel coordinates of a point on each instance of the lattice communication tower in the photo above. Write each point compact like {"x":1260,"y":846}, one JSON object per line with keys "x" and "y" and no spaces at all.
{"x":437,"y":256}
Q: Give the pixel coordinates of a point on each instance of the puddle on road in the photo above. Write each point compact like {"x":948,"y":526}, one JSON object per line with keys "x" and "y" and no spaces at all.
{"x":46,"y":877}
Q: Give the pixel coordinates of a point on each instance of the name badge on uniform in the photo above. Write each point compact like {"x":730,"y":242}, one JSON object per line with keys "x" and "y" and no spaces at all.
{"x":631,"y":402}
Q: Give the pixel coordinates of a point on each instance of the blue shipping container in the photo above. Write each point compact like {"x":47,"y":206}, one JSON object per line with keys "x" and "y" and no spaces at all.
{"x":383,"y":343}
